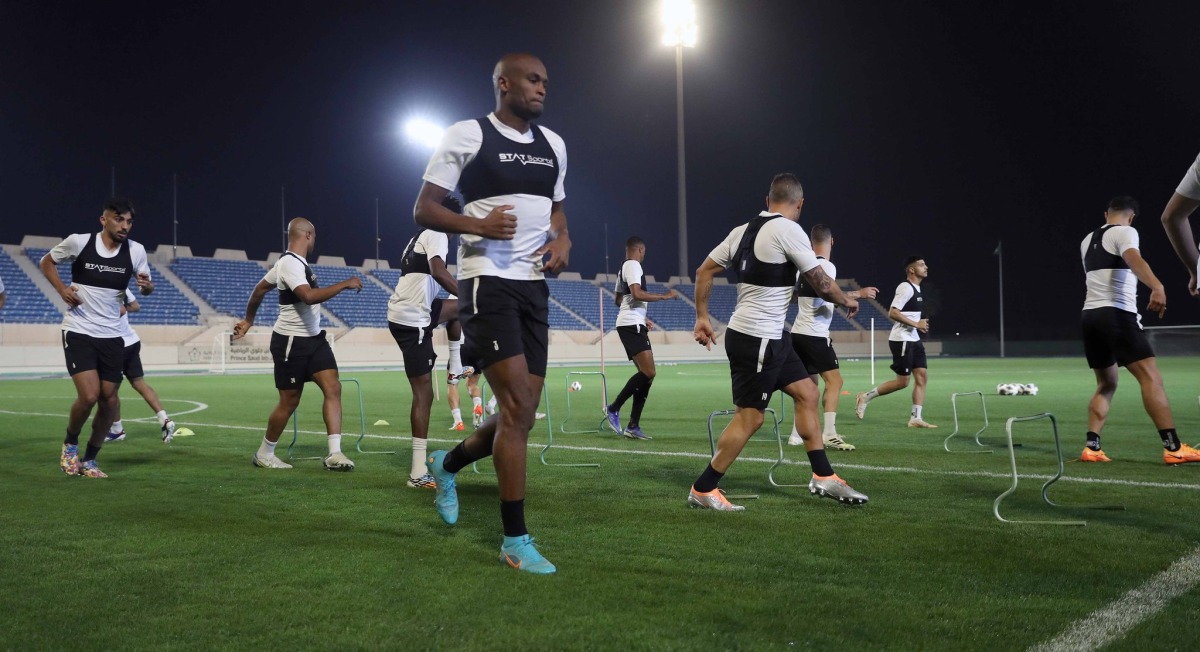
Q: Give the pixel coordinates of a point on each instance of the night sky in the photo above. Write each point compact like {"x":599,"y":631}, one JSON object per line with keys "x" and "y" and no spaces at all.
{"x":935,"y":129}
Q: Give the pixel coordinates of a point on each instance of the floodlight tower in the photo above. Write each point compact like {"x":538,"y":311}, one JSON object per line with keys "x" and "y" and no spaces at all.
{"x":679,"y":31}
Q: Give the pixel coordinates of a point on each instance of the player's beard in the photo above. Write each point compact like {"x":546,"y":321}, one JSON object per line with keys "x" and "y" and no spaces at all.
{"x":527,"y":113}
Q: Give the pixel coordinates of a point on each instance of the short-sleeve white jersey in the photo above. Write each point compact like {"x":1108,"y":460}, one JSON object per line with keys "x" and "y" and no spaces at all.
{"x":299,"y":319}
{"x":127,"y":332}
{"x":761,"y":311}
{"x":633,"y":312}
{"x":99,"y":314}
{"x":904,"y":332}
{"x":1112,"y":288}
{"x":478,"y":256}
{"x":415,"y":291}
{"x":814,"y":314}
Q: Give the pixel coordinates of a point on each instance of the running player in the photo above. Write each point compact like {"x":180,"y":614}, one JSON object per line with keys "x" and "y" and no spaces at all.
{"x":132,"y":368}
{"x":908,"y":352}
{"x":101,"y":267}
{"x":766,"y":254}
{"x":299,"y":347}
{"x":810,"y":338}
{"x":1112,"y":329}
{"x":632,"y":296}
{"x":511,"y":173}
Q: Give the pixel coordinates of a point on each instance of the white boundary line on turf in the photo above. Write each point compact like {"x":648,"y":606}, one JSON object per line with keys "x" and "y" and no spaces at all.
{"x":1113,"y":621}
{"x":199,"y":407}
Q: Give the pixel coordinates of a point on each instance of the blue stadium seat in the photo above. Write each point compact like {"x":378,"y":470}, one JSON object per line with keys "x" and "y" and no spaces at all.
{"x":25,"y":303}
{"x":226,"y":285}
{"x":582,"y":298}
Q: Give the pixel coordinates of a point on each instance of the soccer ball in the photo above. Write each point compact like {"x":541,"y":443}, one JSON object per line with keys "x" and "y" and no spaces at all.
{"x":1029,"y":389}
{"x":1008,"y":389}
{"x":576,"y":386}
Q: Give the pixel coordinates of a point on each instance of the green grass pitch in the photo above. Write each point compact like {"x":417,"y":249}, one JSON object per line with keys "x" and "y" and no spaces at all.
{"x":190,"y":547}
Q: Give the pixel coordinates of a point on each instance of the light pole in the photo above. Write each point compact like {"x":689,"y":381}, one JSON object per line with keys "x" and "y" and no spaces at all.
{"x":679,"y":30}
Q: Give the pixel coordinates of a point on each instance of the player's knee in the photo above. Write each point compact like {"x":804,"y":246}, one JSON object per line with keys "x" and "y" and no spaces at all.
{"x":752,"y":419}
{"x":649,"y":374}
{"x":903,"y":380}
{"x":89,"y":397}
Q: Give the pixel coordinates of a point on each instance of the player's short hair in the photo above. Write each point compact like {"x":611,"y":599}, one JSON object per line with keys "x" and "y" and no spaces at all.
{"x":119,"y":205}
{"x":451,"y":202}
{"x":912,"y":259}
{"x":786,"y":188}
{"x":821,"y":234}
{"x":1123,"y":203}
{"x":634,"y":241}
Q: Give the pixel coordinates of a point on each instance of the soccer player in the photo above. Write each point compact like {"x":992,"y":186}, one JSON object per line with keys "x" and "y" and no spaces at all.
{"x":298,"y":345}
{"x":632,"y":297}
{"x":1175,"y":220}
{"x":455,"y":401}
{"x":414,"y":311}
{"x":908,"y":352}
{"x":3,"y":294}
{"x":101,"y":266}
{"x":1112,"y":329}
{"x":132,"y":368}
{"x":511,"y":176}
{"x":766,"y":254}
{"x":810,"y":338}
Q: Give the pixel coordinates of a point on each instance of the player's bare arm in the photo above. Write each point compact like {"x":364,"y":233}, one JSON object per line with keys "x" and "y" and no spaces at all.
{"x":703,"y":331}
{"x":67,"y":292}
{"x":828,"y":289}
{"x":1179,"y":232}
{"x":256,"y":296}
{"x":145,"y":285}
{"x":429,"y":213}
{"x":559,"y":246}
{"x":1141,"y":269}
{"x":895,"y":315}
{"x":863,"y":293}
{"x":437,"y":269}
{"x":641,"y":294}
{"x":320,"y":295}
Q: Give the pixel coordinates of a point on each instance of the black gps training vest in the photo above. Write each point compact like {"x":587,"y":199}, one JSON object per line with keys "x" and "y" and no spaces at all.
{"x":622,"y":286}
{"x":506,"y":167}
{"x":749,"y":269}
{"x":286,"y":296}
{"x":915,"y":302}
{"x":1097,"y":258}
{"x":412,"y":262}
{"x":92,"y":269}
{"x":803,"y":289}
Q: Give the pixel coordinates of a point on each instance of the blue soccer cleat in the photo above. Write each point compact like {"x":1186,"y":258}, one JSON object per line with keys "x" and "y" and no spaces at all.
{"x":446,"y":498}
{"x":613,"y":417}
{"x":521,"y":554}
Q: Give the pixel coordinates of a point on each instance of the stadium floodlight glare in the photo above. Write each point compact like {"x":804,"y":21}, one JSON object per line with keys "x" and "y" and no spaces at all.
{"x":423,"y":132}
{"x":679,"y":23}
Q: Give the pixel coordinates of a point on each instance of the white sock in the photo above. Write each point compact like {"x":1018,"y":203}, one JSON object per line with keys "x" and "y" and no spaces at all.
{"x":419,"y":447}
{"x":455,"y":366}
{"x":830,"y":417}
{"x":266,"y":448}
{"x":795,"y":433}
{"x":335,"y":443}
{"x":916,"y":412}
{"x":476,"y":401}
{"x":872,"y":393}
{"x":457,"y":413}
{"x":491,"y":406}
{"x":162,"y":418}
{"x":116,"y":428}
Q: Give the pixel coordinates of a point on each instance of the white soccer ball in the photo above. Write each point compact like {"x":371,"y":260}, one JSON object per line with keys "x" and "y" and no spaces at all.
{"x":1007,"y":389}
{"x":1029,"y":389}
{"x":576,"y":386}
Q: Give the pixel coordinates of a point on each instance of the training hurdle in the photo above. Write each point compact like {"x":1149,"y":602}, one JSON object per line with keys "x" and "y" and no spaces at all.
{"x":549,"y":437}
{"x":954,"y":408}
{"x":603,"y":407}
{"x":362,"y":432}
{"x":1008,"y":426}
{"x":712,"y":447}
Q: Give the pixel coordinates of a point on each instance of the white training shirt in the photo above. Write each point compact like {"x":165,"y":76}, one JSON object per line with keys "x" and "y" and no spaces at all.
{"x":299,"y":319}
{"x":415,"y":291}
{"x":100,"y":313}
{"x":904,"y":332}
{"x":127,"y":332}
{"x":633,"y":312}
{"x":761,"y":311}
{"x":477,"y":256}
{"x":814,"y":314}
{"x":1115,"y":288}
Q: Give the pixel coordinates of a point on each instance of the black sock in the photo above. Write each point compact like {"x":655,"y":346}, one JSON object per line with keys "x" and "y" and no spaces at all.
{"x":512,"y":512}
{"x":458,"y":457}
{"x":820,"y":463}
{"x":72,"y":439}
{"x":639,"y":400}
{"x":708,"y":480}
{"x":627,"y":391}
{"x":1093,"y":441}
{"x":91,"y":453}
{"x":1170,"y":439}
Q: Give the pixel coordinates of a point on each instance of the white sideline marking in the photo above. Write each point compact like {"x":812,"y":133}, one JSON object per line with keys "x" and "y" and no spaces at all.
{"x":198,"y":408}
{"x":1111,"y":622}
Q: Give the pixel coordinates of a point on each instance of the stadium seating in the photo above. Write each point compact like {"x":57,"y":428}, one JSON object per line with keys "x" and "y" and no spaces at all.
{"x":25,"y":303}
{"x":582,"y":298}
{"x":720,"y":303}
{"x":672,"y":315}
{"x":226,"y":285}
{"x":366,"y":308}
{"x":559,"y":318}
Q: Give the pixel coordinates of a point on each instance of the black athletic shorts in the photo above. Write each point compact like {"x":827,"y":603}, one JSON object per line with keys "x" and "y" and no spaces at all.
{"x":758,"y":367}
{"x":815,"y":352}
{"x":502,"y":318}
{"x":907,"y":356}
{"x":635,"y":339}
{"x":1113,"y":336}
{"x":133,"y":361}
{"x":416,"y":345}
{"x":298,"y":358}
{"x":103,"y":355}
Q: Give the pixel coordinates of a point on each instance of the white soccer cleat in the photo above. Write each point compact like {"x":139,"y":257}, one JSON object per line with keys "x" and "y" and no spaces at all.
{"x":168,"y":431}
{"x":338,"y":462}
{"x":836,"y":488}
{"x":539,"y":415}
{"x":835,"y":441}
{"x":860,"y":405}
{"x":270,"y":462}
{"x":919,"y":423}
{"x":795,"y":439}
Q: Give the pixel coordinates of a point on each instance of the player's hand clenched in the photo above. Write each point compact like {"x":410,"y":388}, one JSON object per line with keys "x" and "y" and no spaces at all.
{"x":704,"y":334}
{"x":1158,"y":302}
{"x":498,"y":224}
{"x":560,"y":253}
{"x":70,"y":296}
{"x":851,"y":307}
